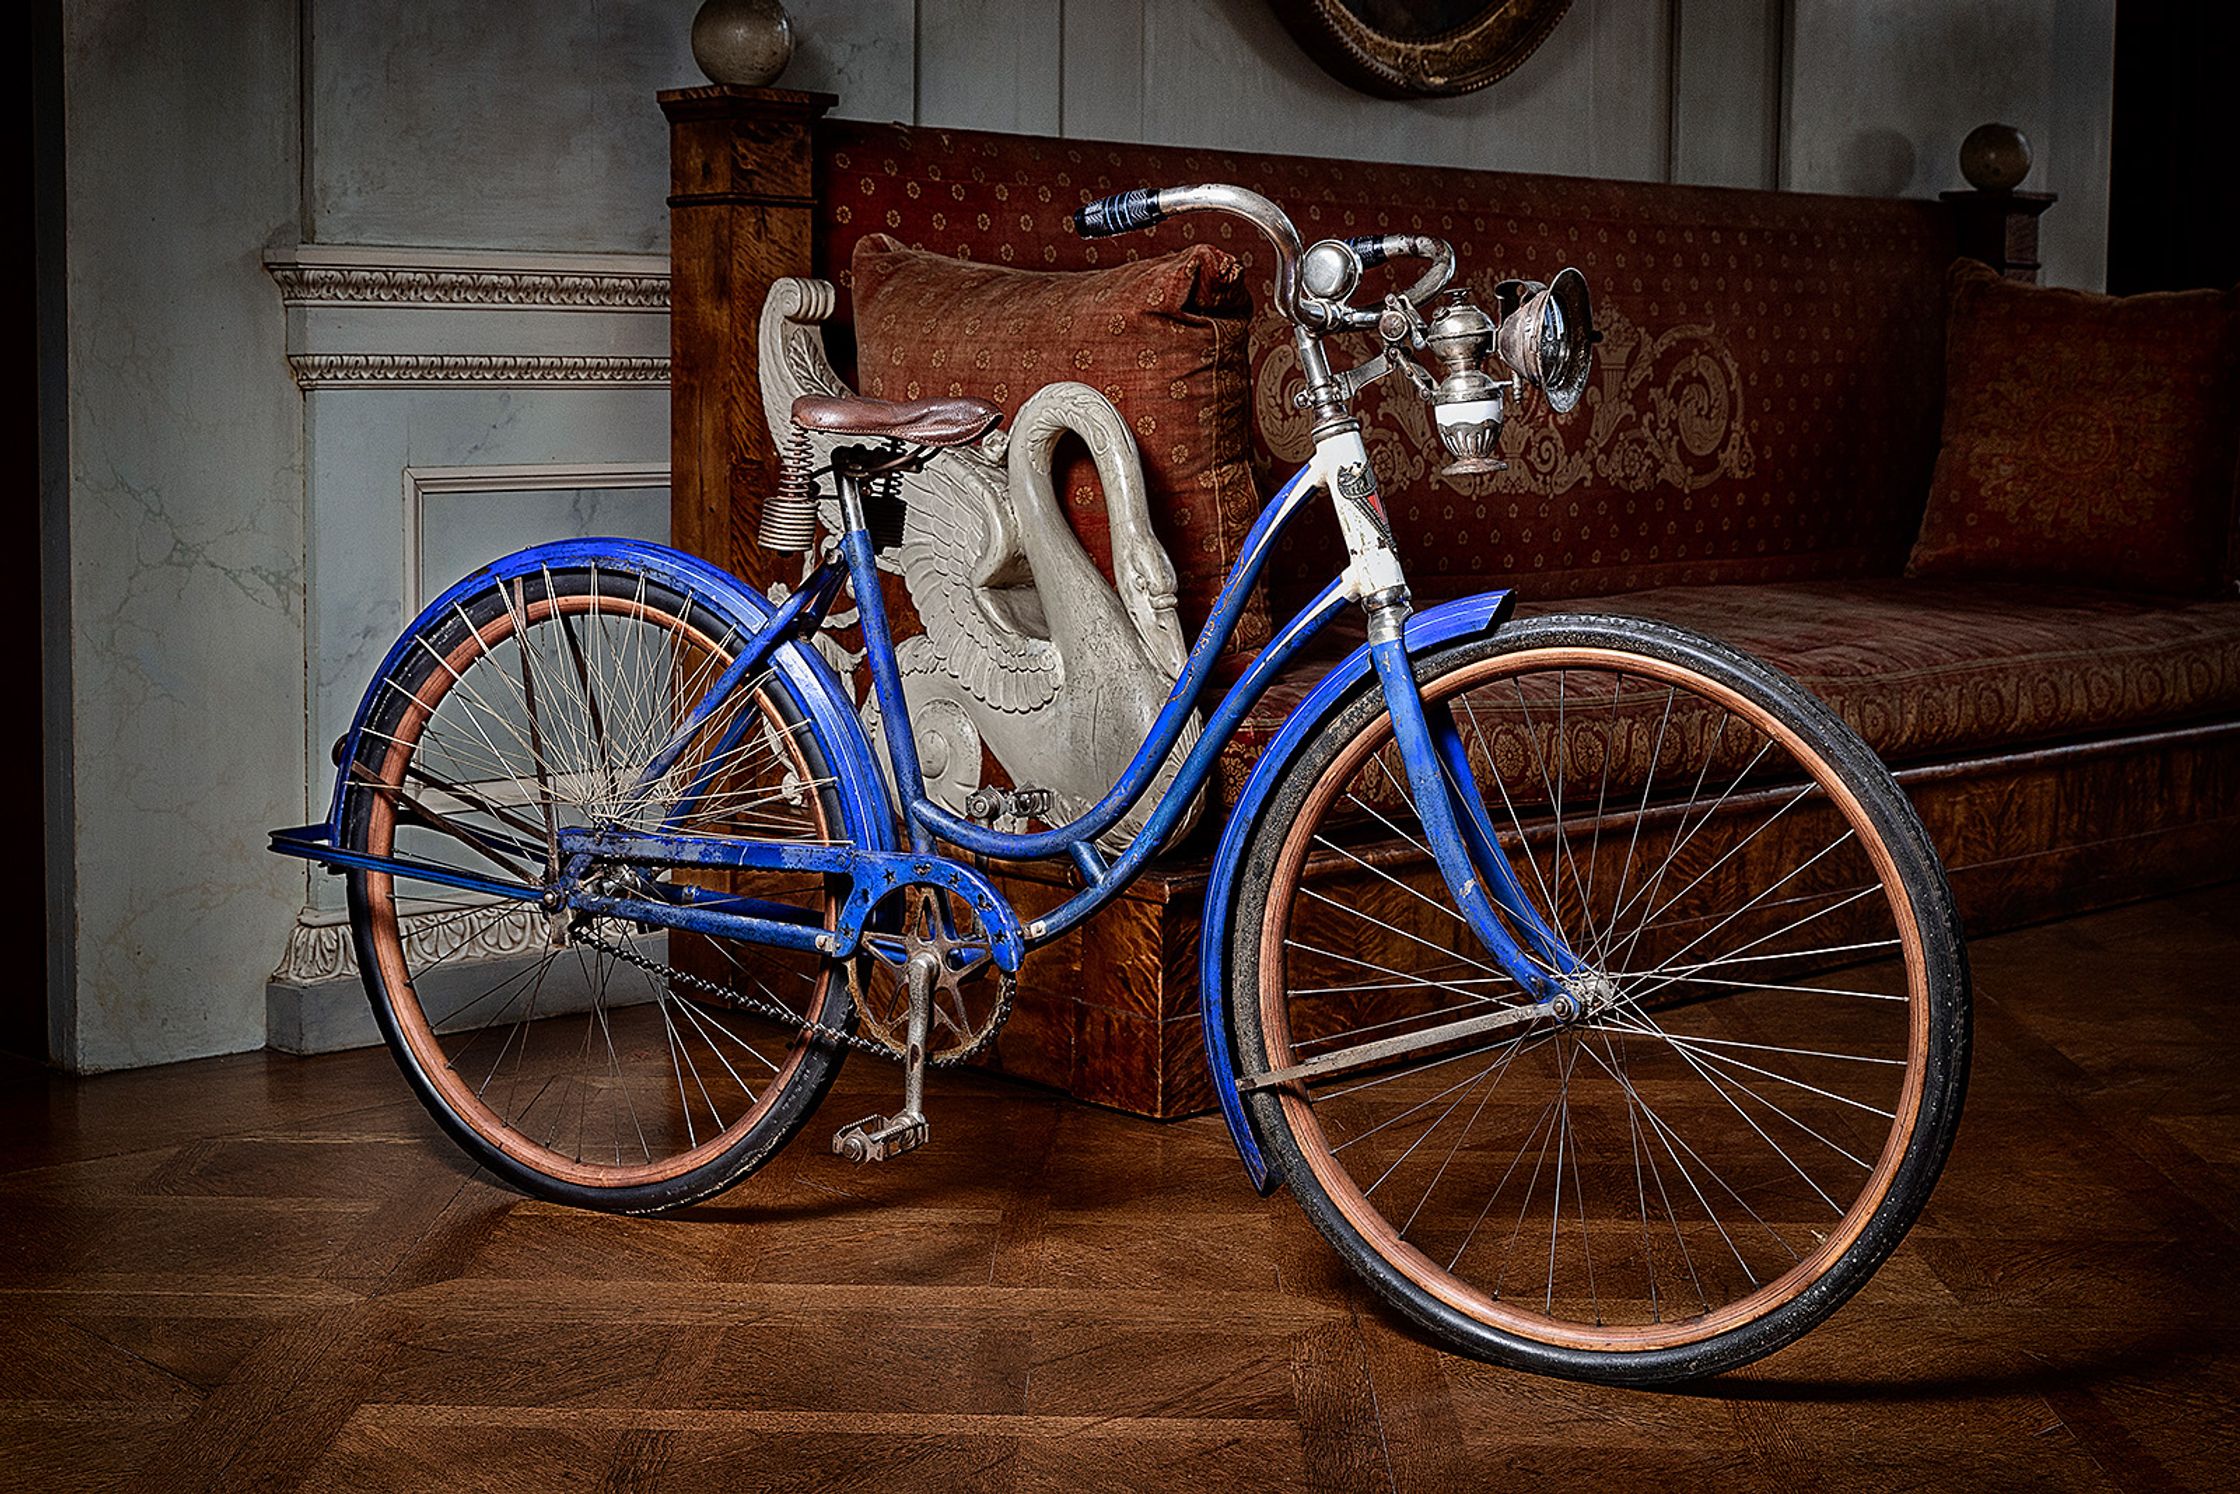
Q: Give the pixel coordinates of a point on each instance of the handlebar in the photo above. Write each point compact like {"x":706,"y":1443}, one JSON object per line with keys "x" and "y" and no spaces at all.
{"x":1374,"y":249}
{"x":1141,"y":207}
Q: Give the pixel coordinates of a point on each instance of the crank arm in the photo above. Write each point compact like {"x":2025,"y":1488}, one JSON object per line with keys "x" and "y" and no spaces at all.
{"x":1384,"y":1050}
{"x":876,"y":1138}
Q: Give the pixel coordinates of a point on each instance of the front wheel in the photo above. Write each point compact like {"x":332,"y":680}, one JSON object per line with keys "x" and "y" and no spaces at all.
{"x":1718,"y":1147}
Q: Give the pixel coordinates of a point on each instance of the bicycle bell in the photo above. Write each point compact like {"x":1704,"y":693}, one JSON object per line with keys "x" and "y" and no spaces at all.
{"x":1466,"y":402}
{"x":1329,"y":270}
{"x":1547,"y":335}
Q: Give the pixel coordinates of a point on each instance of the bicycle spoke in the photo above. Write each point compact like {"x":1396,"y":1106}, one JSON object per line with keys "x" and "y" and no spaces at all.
{"x":531,"y":711}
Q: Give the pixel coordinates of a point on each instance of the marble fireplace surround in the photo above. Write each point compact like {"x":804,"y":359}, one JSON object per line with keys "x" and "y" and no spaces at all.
{"x":456,"y":404}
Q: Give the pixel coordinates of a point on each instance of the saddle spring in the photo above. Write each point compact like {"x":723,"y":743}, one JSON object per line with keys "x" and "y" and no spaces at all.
{"x":883,"y":510}
{"x":789,"y":519}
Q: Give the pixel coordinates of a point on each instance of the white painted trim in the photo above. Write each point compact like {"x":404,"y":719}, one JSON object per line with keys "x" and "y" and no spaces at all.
{"x":540,"y":477}
{"x":402,"y":257}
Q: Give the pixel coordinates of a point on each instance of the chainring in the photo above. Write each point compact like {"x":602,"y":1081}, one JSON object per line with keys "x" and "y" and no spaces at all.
{"x":971,"y":994}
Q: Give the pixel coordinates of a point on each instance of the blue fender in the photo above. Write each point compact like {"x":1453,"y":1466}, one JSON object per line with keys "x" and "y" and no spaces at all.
{"x":1425,"y":630}
{"x":807,"y":677}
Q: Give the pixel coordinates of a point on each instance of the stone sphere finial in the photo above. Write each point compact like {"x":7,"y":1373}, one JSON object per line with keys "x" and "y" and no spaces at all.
{"x":1995,"y":157}
{"x":742,"y":41}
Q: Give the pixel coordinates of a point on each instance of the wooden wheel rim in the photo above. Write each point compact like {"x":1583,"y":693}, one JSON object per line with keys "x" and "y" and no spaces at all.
{"x":1364,"y":1217}
{"x":404,"y":1003}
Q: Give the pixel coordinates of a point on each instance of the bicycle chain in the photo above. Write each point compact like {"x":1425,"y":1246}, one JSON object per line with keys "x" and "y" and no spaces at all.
{"x":1006,"y":986}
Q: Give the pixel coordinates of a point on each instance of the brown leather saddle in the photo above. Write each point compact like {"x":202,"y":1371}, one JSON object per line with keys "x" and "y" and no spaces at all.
{"x":919,"y":422}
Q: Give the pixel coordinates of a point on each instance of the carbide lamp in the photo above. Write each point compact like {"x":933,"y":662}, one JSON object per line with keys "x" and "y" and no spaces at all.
{"x":1466,"y":401}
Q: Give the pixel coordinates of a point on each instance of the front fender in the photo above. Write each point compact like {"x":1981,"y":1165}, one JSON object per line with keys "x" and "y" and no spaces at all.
{"x":808,"y":678}
{"x":1425,"y":630}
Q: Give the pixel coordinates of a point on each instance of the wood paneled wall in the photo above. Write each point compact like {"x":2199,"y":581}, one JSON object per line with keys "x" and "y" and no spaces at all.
{"x":1810,"y":95}
{"x":1596,"y":99}
{"x":447,"y":122}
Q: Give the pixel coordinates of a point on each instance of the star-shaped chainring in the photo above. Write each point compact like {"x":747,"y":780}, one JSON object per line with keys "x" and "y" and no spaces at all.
{"x":971,"y":995}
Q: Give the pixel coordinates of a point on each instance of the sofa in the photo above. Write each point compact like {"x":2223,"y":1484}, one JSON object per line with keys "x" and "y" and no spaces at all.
{"x":1752,"y":461}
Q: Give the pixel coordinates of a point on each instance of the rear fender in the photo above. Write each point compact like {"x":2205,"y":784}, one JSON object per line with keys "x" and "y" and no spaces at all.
{"x":815,"y":689}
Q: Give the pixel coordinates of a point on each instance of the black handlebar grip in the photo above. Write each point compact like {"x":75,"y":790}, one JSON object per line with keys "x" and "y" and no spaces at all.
{"x":1123,"y":212}
{"x":1371,"y":248}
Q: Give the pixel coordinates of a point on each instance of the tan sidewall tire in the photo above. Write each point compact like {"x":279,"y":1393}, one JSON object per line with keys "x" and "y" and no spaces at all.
{"x":1290,"y":1135}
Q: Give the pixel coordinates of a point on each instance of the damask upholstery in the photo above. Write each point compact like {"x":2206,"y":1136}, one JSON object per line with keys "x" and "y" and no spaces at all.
{"x":1765,"y":402}
{"x":2086,"y":438}
{"x":1924,"y":670}
{"x":1163,"y":339}
{"x":1750,"y":459}
{"x":1937,"y":670}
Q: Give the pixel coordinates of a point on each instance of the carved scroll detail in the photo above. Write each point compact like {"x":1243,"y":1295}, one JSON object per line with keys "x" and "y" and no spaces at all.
{"x":319,"y":945}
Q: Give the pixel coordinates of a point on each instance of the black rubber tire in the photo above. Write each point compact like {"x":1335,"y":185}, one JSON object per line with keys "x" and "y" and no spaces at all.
{"x":1944,"y":950}
{"x":784,"y":1116}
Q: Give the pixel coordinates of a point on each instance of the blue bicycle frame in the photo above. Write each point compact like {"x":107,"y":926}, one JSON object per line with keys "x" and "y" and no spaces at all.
{"x":1456,"y":823}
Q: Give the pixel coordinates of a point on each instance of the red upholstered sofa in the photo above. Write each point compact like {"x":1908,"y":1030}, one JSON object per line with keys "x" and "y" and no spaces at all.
{"x":1751,"y":461}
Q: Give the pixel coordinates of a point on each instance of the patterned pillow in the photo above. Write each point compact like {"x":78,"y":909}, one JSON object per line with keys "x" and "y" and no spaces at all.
{"x":1164,"y":339}
{"x":2087,"y":438}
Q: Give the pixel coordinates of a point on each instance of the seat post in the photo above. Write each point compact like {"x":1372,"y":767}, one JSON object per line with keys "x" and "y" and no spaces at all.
{"x":878,"y":648}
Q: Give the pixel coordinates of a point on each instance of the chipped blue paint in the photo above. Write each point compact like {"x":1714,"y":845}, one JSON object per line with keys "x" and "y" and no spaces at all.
{"x":877,"y":866}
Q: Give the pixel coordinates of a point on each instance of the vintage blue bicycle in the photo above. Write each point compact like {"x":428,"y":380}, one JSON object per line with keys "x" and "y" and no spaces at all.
{"x":1591,"y":986}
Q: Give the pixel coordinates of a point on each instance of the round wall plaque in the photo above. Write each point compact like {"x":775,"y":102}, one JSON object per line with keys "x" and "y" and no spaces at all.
{"x":1419,"y":48}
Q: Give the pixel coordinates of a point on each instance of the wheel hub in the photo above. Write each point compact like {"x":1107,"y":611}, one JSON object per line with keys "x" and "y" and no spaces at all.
{"x":1585,"y":994}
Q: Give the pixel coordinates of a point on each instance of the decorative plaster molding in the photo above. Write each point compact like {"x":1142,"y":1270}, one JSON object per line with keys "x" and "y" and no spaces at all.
{"x":427,"y":370}
{"x":307,"y":285}
{"x":319,"y":946}
{"x":350,"y":275}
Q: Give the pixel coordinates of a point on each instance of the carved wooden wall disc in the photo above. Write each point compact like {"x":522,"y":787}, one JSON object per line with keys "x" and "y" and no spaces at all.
{"x":1416,"y":48}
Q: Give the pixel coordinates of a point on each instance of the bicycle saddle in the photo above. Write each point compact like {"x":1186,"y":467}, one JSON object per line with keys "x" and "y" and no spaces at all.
{"x":922,"y":422}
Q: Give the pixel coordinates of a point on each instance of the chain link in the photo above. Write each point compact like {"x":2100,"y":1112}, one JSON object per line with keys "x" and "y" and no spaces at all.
{"x":1006,"y":987}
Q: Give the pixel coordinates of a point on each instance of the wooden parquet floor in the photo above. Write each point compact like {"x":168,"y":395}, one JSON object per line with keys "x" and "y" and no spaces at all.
{"x":263,"y":1272}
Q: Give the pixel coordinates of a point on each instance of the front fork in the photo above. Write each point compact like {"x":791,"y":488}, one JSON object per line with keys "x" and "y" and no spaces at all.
{"x":1461,"y":836}
{"x":1478,"y":873}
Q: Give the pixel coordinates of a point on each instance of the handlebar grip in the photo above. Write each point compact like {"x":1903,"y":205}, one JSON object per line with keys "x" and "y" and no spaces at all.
{"x":1123,"y":212}
{"x":1371,"y":248}
{"x":1375,"y":249}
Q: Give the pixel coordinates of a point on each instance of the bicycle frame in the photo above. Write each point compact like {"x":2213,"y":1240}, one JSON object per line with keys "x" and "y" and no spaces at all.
{"x":1457,"y":826}
{"x":1455,"y":818}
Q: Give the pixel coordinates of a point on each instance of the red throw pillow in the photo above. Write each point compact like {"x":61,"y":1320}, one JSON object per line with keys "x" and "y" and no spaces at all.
{"x":2087,"y":439}
{"x":1164,"y":339}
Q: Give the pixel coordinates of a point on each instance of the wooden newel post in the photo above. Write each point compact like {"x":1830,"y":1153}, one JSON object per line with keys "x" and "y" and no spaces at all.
{"x":742,"y":201}
{"x":742,"y":205}
{"x":2001,"y":229}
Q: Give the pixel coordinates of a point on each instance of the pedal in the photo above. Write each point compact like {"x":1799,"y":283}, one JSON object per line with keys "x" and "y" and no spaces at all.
{"x":876,"y":1138}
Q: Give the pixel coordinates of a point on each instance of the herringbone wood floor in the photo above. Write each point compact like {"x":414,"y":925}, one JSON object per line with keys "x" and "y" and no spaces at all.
{"x":263,"y":1272}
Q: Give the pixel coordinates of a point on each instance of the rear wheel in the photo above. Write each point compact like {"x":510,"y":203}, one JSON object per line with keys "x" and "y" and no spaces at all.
{"x":572,"y":1071}
{"x":1743,"y":1120}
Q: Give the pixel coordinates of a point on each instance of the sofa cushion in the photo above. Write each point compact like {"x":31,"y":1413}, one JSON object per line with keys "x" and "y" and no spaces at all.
{"x":2087,"y":439}
{"x":1923,"y":670}
{"x":1163,"y":339}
